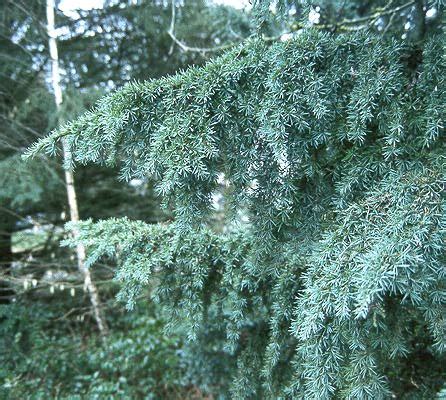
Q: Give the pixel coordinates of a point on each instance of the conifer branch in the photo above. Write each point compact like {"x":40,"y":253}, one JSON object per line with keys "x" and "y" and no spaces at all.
{"x":334,"y":163}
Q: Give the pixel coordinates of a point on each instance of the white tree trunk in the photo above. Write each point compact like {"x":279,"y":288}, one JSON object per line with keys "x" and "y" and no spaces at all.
{"x":69,"y":178}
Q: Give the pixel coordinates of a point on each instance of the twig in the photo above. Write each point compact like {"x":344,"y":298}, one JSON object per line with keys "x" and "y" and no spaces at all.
{"x":380,"y":12}
{"x":184,"y":47}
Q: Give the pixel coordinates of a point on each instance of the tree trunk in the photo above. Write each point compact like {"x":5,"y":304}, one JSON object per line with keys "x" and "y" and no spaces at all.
{"x":6,"y":230}
{"x":69,"y":178}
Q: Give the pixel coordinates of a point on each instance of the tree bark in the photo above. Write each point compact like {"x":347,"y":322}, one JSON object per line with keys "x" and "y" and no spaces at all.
{"x":419,"y":21}
{"x":69,"y":177}
{"x":6,"y":229}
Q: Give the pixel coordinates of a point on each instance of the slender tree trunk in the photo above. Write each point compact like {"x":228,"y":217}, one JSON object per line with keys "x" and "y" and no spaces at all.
{"x":419,"y":21}
{"x":6,"y":229}
{"x":69,"y":178}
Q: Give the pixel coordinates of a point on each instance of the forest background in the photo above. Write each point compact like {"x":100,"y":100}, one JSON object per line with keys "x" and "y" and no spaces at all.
{"x":50,"y":345}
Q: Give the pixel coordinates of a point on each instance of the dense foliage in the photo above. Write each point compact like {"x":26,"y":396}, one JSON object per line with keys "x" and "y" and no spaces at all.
{"x":136,"y":361}
{"x":301,"y":250}
{"x":328,"y":276}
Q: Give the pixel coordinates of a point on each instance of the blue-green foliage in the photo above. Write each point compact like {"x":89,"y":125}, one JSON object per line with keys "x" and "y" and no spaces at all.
{"x":333,"y":149}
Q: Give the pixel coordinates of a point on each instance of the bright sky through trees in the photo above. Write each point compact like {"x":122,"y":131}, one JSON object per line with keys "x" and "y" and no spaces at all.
{"x":68,"y":6}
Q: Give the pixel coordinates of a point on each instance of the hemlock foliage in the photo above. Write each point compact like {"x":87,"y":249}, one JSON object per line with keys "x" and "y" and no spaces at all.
{"x":49,"y":346}
{"x":327,"y":277}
